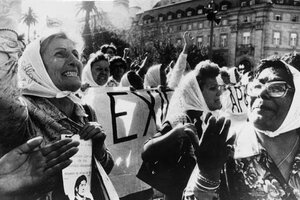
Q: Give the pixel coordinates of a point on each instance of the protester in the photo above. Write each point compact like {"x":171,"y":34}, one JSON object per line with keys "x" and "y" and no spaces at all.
{"x":110,"y":50}
{"x":265,"y":164}
{"x":133,"y":80}
{"x":117,"y":70}
{"x":96,"y":71}
{"x":23,"y":168}
{"x":49,"y":72}
{"x":233,"y":98}
{"x":197,"y":93}
{"x":293,"y":59}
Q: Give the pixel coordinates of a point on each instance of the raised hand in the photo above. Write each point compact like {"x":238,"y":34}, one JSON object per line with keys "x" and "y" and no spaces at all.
{"x":94,"y":131}
{"x":28,"y":166}
{"x":188,"y":41}
{"x":214,"y":148}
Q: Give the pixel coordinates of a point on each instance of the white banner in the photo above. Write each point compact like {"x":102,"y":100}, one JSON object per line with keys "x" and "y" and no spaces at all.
{"x":129,"y":118}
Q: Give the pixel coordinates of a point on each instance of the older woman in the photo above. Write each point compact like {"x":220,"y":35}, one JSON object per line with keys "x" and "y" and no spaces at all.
{"x":49,"y":74}
{"x":96,"y":71}
{"x":266,"y":157}
{"x":197,"y":93}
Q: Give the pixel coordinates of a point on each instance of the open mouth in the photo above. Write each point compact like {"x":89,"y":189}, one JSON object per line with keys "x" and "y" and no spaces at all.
{"x":70,"y":74}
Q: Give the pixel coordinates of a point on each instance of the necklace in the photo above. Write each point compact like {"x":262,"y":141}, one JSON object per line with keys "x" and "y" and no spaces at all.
{"x":288,"y":155}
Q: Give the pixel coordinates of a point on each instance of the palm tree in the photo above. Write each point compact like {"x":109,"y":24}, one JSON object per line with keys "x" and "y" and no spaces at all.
{"x":29,"y":18}
{"x":89,"y":7}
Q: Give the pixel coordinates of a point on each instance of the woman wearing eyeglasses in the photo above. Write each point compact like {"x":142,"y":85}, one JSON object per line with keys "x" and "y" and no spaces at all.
{"x":266,"y":159}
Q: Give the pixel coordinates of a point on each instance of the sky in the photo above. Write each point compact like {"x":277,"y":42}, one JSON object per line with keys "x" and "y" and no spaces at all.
{"x":66,"y":10}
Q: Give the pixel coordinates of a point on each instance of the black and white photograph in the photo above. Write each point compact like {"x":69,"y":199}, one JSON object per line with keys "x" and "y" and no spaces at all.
{"x":149,"y":99}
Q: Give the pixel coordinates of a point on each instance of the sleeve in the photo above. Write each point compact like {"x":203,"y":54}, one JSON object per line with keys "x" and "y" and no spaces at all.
{"x":13,"y":108}
{"x":177,"y":71}
{"x":105,"y":158}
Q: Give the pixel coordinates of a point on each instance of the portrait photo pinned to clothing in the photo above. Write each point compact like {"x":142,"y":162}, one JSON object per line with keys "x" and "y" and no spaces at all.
{"x":77,"y":177}
{"x":80,"y":189}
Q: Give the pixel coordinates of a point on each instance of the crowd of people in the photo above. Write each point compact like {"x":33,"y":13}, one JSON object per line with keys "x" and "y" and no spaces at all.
{"x":235,"y":135}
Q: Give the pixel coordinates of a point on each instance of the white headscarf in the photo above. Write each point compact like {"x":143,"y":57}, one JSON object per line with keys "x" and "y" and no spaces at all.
{"x":152,"y":77}
{"x":87,"y":76}
{"x":188,"y":96}
{"x":124,"y":82}
{"x":292,"y":119}
{"x":34,"y":78}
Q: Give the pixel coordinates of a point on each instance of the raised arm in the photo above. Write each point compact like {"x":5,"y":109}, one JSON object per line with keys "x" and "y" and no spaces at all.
{"x":181,"y":63}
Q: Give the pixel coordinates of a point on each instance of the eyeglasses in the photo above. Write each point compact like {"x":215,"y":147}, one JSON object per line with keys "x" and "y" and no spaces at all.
{"x":274,"y":89}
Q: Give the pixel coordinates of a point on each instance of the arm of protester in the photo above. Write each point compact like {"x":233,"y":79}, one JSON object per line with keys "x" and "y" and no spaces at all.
{"x":27,"y":166}
{"x":211,"y":153}
{"x":163,"y":145}
{"x":94,"y":131}
{"x":13,"y":110}
{"x":144,"y":67}
{"x":181,"y":62}
{"x":125,"y":53}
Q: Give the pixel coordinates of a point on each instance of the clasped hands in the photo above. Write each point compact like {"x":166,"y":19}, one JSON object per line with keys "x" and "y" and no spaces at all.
{"x":212,"y":148}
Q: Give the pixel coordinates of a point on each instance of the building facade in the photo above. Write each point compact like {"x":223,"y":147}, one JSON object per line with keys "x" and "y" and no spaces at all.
{"x":249,"y":30}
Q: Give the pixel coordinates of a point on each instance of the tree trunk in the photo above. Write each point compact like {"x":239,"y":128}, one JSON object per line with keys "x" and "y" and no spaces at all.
{"x":28,"y":34}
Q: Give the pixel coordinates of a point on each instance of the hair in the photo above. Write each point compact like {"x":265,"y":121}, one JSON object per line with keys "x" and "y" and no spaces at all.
{"x":276,"y":63}
{"x":293,"y":59}
{"x":117,"y":59}
{"x":78,"y":181}
{"x":105,"y":47}
{"x":61,"y":34}
{"x":205,"y":70}
{"x":97,"y":57}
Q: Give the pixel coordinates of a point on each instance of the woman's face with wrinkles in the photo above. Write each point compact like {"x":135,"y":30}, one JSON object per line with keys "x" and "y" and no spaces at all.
{"x":266,"y":112}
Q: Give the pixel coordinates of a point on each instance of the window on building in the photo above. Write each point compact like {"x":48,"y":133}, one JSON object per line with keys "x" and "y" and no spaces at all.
{"x":246,"y":19}
{"x":189,"y":13}
{"x":161,"y":18}
{"x":170,"y":29}
{"x":195,"y":25}
{"x":251,"y":2}
{"x":296,"y":2}
{"x":184,"y":27}
{"x":179,"y":28}
{"x":223,"y":42}
{"x":224,"y":7}
{"x":170,"y":17}
{"x":293,"y":39}
{"x":246,"y":38}
{"x":280,"y":1}
{"x":276,"y":38}
{"x":224,"y":22}
{"x":179,"y":15}
{"x":278,"y":17}
{"x":294,"y":18}
{"x":199,"y":41}
{"x":200,"y":25}
{"x":243,"y":4}
{"x":200,"y":11}
{"x":189,"y":27}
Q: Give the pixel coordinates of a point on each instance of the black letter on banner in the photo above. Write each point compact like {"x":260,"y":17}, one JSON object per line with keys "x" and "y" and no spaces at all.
{"x":151,"y":109}
{"x":114,"y":116}
{"x":162,"y":103}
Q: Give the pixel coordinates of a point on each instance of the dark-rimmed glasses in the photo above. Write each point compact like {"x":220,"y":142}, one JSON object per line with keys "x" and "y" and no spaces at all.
{"x":274,"y":89}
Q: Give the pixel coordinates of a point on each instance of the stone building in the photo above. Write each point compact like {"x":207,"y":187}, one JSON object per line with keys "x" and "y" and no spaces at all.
{"x":249,"y":30}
